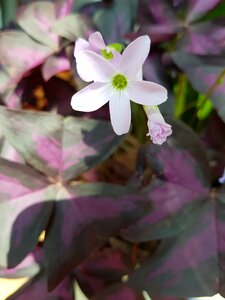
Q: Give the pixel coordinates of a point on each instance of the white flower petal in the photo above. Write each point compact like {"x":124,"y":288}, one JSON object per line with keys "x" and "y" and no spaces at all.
{"x":154,"y":114}
{"x":120,"y":113}
{"x":116,"y":58}
{"x":95,"y":66}
{"x":92,"y":97}
{"x":134,"y":56}
{"x":146,"y":93}
{"x":82,"y":67}
{"x":96,"y":40}
{"x":80,"y":45}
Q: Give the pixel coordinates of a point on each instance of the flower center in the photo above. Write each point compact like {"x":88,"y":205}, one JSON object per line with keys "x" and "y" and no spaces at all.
{"x":119,"y":82}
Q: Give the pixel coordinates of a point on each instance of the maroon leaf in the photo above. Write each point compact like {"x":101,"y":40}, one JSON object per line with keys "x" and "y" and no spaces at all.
{"x":191,"y":258}
{"x":187,"y":216}
{"x":181,"y":183}
{"x":23,"y":216}
{"x":94,"y":213}
{"x":215,"y":145}
{"x":102,"y":269}
{"x":29,"y":267}
{"x":119,"y":292}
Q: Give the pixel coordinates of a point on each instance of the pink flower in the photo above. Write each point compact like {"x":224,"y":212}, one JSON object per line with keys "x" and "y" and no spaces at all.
{"x":159,"y":130}
{"x":116,"y":83}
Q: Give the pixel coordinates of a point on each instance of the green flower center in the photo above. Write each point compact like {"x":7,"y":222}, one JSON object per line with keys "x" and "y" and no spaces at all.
{"x":119,"y":82}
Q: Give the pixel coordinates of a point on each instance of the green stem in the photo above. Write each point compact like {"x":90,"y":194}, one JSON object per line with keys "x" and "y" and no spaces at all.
{"x":213,"y":87}
{"x":181,"y":95}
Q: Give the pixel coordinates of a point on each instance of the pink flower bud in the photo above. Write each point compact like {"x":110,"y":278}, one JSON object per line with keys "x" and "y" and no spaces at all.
{"x":159,"y":130}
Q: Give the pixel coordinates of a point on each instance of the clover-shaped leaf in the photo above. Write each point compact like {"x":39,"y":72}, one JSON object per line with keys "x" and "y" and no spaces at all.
{"x":45,"y":195}
{"x":180,"y":185}
{"x":187,"y":216}
{"x":56,"y":146}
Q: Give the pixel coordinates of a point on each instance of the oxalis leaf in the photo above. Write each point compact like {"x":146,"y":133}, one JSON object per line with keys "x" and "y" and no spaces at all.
{"x":78,"y":218}
{"x":29,"y":267}
{"x":187,"y":216}
{"x":163,"y":21}
{"x":19,"y":53}
{"x":57,"y":146}
{"x":102,"y":269}
{"x":36,"y":19}
{"x":206,"y":74}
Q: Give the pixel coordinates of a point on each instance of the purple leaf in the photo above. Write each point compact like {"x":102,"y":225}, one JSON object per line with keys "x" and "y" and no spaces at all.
{"x":187,"y":216}
{"x":110,"y":208}
{"x":119,"y":292}
{"x":36,"y":19}
{"x":73,"y":26}
{"x":201,"y":38}
{"x":166,"y":298}
{"x":102,"y":269}
{"x":36,"y":289}
{"x":219,"y":199}
{"x":214,"y":145}
{"x":197,"y":8}
{"x":8,"y":152}
{"x":23,"y":216}
{"x":163,"y":22}
{"x":61,"y":148}
{"x":53,"y":65}
{"x":181,"y":182}
{"x":63,"y":7}
{"x":19,"y":53}
{"x":29,"y":267}
{"x":190,"y":257}
{"x":154,"y":70}
{"x":158,"y":19}
{"x":204,"y":72}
